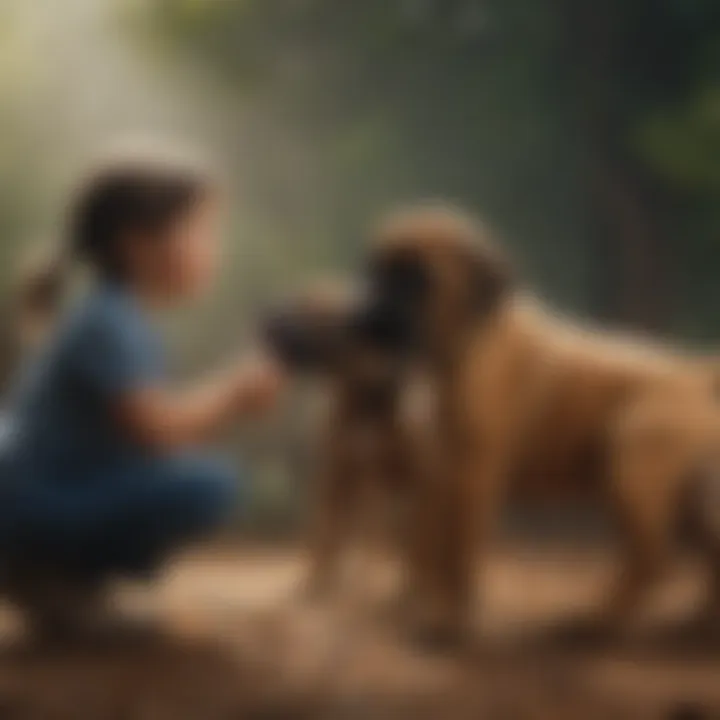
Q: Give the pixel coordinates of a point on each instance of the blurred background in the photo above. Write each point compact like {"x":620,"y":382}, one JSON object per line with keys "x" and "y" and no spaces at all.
{"x":586,"y":133}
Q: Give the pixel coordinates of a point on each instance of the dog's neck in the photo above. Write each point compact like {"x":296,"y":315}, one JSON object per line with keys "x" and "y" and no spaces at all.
{"x":449,"y":351}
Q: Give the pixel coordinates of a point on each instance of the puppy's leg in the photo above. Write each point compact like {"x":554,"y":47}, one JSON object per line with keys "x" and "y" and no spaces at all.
{"x":420,"y":463}
{"x":413,"y":465}
{"x":330,"y":526}
{"x":477,"y":508}
{"x":426,"y":548}
{"x":417,"y":546}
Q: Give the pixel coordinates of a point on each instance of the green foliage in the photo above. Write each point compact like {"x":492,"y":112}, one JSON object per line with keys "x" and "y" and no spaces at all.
{"x":683,"y":144}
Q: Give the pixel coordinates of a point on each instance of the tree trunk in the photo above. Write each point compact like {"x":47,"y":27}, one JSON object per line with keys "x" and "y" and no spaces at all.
{"x":628,"y":243}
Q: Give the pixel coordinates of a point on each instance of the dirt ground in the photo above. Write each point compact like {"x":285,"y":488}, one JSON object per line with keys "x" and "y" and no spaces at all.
{"x":239,"y":643}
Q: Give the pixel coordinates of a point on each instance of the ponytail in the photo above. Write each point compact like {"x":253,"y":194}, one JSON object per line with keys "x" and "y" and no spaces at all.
{"x":31,"y":305}
{"x":129,"y":195}
{"x":37,"y":293}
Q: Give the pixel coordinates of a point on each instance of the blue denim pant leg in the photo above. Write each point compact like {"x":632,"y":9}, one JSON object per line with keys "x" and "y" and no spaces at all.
{"x":127,"y":520}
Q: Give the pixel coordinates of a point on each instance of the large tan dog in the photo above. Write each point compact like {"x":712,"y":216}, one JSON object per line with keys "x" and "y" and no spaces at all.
{"x":374,"y":450}
{"x":533,"y":404}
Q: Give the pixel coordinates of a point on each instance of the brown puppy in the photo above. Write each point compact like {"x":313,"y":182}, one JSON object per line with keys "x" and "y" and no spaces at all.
{"x":531,"y":403}
{"x":373,"y":460}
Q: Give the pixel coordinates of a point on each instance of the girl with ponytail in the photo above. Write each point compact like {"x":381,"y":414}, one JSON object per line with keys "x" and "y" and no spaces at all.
{"x":101,"y":476}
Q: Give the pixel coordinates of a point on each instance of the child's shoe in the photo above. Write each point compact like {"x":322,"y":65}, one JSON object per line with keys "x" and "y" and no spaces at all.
{"x":59,"y":610}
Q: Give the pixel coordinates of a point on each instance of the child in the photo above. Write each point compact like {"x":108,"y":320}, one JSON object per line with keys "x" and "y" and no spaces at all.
{"x":99,"y":472}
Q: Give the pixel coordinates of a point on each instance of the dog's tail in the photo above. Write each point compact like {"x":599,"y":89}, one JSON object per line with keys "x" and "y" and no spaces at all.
{"x":31,"y":304}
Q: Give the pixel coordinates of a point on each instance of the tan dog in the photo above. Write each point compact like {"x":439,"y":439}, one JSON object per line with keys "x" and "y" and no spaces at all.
{"x":373,"y":455}
{"x":533,"y":404}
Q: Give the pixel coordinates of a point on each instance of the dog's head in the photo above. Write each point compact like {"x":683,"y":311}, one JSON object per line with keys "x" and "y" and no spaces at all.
{"x":315,"y":334}
{"x":433,"y":274}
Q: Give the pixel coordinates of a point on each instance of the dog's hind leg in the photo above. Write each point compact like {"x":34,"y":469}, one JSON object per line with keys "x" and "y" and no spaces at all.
{"x":647,"y":464}
{"x":704,"y":514}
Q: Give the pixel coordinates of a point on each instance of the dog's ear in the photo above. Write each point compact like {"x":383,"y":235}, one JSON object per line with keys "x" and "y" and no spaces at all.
{"x":491,"y":278}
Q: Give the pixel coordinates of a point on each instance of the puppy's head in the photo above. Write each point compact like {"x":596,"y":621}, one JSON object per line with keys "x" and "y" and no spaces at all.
{"x":433,"y":274}
{"x":310,"y":332}
{"x":316,"y":334}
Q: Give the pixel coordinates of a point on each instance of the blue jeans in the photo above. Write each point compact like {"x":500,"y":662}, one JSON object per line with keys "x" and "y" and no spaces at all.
{"x":125,"y":522}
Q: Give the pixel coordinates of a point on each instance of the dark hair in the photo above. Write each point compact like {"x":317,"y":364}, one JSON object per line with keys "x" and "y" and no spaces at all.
{"x":126,"y":197}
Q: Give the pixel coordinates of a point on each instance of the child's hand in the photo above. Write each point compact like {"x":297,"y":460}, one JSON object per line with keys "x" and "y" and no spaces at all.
{"x":260,"y":381}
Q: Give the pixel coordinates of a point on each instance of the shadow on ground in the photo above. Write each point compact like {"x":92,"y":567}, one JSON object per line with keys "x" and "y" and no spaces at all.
{"x":238,"y":645}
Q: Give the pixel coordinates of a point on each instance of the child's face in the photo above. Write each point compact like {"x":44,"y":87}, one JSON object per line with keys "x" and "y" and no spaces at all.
{"x":183,"y":262}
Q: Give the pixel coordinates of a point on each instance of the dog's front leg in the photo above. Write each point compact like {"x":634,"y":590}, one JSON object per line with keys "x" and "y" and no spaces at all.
{"x":477,"y":479}
{"x":466,"y":505}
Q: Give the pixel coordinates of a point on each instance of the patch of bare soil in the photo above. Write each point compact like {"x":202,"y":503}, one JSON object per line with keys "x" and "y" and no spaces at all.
{"x":237,"y":643}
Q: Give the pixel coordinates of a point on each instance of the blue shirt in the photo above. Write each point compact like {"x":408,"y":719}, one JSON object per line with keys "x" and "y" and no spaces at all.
{"x":62,"y":426}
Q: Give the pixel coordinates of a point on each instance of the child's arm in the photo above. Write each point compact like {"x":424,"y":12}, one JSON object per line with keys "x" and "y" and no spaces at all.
{"x":161,"y":419}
